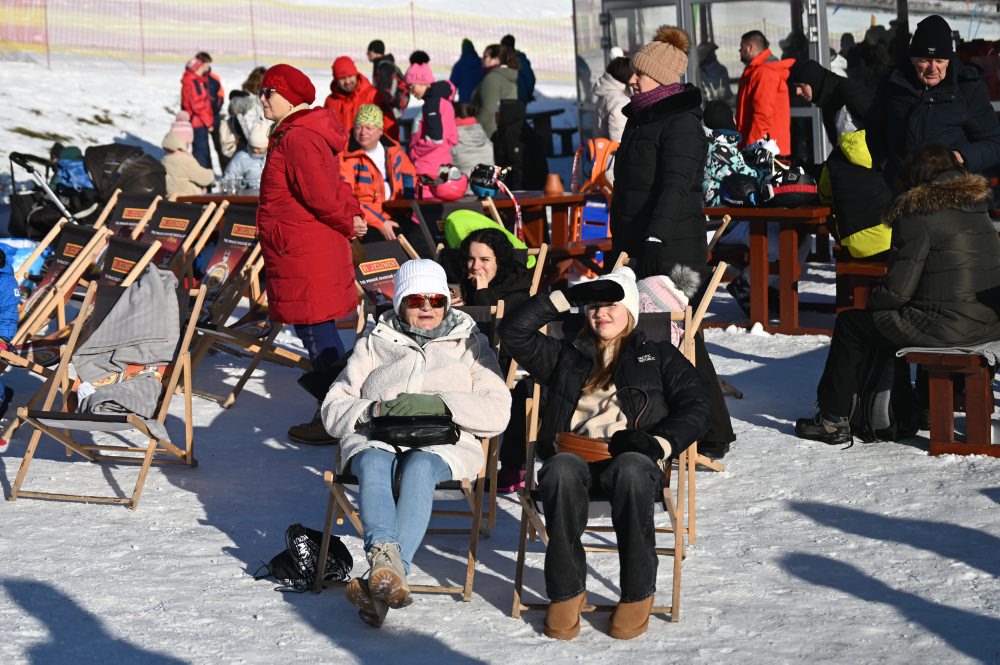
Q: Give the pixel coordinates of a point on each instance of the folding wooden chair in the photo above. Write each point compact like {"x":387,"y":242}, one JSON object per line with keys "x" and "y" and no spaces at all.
{"x":531,"y":519}
{"x":470,"y":490}
{"x":177,"y":226}
{"x":126,"y":212}
{"x":60,"y":424}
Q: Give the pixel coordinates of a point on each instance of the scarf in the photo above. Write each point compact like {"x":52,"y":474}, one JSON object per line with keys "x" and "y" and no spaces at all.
{"x":643,"y":100}
{"x":421,"y":337}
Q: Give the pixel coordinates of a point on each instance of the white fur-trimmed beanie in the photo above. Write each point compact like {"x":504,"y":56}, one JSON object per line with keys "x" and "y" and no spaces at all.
{"x":626,"y":279}
{"x":425,"y":276}
{"x":665,"y":58}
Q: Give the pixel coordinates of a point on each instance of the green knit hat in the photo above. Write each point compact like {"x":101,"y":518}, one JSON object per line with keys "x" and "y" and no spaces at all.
{"x":370,"y":115}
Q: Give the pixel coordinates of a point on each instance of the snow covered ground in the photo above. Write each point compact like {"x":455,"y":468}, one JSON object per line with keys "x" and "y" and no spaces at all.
{"x":805,"y":553}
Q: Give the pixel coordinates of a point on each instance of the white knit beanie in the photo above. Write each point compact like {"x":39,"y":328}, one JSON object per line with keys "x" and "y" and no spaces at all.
{"x":426,"y":276}
{"x":626,"y":278}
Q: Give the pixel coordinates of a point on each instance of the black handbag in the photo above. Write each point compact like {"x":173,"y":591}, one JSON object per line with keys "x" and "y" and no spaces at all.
{"x":414,"y":431}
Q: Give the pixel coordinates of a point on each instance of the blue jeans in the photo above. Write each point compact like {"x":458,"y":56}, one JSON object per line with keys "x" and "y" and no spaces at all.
{"x":322,"y":342}
{"x":200,"y":149}
{"x":404,"y":520}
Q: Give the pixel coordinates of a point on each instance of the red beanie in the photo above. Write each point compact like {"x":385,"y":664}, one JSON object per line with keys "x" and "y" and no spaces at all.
{"x":344,"y":67}
{"x":290,"y":83}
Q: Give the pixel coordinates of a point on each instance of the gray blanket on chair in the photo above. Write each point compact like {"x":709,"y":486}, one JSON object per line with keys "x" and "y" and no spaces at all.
{"x":142,"y":328}
{"x":989,"y":350}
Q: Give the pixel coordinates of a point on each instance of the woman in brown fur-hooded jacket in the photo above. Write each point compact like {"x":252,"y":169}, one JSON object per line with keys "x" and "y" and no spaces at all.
{"x":942,"y":288}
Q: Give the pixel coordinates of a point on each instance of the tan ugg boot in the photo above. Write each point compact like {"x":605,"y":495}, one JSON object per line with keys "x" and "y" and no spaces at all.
{"x":630,"y":619}
{"x":562,"y":619}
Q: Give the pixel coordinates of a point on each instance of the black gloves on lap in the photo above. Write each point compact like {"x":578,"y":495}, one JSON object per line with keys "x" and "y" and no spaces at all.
{"x":633,"y":441}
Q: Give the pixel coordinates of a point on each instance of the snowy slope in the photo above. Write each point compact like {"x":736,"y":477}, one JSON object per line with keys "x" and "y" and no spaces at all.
{"x":805,"y":553}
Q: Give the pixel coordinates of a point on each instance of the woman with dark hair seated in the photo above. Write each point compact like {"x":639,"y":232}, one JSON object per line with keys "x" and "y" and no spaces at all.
{"x":491,"y":271}
{"x":942,"y":287}
{"x":610,"y":383}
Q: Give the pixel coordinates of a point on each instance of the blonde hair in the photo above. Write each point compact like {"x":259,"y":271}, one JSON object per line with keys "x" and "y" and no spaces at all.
{"x":603,"y":374}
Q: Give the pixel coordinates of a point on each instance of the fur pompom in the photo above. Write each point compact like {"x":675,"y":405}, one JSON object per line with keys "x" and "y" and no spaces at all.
{"x":676,"y":37}
{"x":686,"y":279}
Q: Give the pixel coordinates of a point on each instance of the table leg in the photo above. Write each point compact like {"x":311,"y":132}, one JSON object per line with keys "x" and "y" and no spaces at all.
{"x":788,"y":276}
{"x":543,"y":126}
{"x":559,"y":235}
{"x":758,"y":271}
{"x":533,"y":223}
{"x":939,"y":388}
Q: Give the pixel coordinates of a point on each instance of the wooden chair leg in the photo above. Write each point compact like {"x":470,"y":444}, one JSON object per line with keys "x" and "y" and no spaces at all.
{"x":324,"y":547}
{"x":522,"y":544}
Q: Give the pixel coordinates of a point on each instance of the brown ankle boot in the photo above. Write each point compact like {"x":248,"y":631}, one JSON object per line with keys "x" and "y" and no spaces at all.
{"x":630,"y":619}
{"x":562,"y":619}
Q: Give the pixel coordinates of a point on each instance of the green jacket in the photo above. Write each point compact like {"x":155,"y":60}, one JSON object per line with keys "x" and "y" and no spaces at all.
{"x":498,"y":84}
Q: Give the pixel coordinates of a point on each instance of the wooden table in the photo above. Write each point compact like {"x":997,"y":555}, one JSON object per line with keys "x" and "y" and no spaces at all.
{"x":535,"y":209}
{"x":234,"y":199}
{"x":791,"y":221}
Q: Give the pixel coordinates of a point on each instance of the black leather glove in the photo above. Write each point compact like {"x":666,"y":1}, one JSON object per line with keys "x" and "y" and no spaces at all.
{"x":634,"y":441}
{"x":653,"y":260}
{"x":598,"y":290}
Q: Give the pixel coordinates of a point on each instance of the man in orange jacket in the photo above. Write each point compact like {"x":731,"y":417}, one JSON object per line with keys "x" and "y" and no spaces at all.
{"x":762,"y":102}
{"x":377,"y":169}
{"x":350,"y":90}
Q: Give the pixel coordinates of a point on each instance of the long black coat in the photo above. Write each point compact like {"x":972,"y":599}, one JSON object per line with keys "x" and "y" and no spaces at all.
{"x":659,"y":169}
{"x":678,"y":406}
{"x":943,"y":284}
{"x":956,"y":112}
{"x":832,"y":93}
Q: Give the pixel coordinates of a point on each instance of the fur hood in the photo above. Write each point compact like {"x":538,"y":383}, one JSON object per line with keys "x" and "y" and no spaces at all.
{"x":948,"y":191}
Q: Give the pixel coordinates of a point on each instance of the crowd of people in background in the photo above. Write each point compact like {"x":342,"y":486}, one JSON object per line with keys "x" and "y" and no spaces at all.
{"x":912,"y":138}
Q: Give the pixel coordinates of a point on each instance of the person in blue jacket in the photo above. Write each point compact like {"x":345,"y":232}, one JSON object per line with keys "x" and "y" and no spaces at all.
{"x":467,"y":71}
{"x":10,"y":298}
{"x":525,"y":74}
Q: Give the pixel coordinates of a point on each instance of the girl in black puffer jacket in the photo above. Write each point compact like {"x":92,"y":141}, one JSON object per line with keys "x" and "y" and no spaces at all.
{"x":611,"y":383}
{"x":942,"y":288}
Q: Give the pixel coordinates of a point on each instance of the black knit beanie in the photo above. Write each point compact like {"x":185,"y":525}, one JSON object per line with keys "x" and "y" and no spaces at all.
{"x":718,"y":115}
{"x":932,"y":39}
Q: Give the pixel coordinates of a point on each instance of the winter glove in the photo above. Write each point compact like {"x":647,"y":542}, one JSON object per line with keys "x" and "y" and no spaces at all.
{"x":634,"y":441}
{"x":653,"y":260}
{"x":598,"y":290}
{"x":414,"y":404}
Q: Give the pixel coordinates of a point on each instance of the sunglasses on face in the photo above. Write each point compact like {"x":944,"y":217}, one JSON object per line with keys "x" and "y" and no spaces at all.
{"x":267,"y":92}
{"x":417,"y":300}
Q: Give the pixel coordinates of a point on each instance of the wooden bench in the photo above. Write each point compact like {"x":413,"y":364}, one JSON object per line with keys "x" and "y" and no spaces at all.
{"x":943,"y":369}
{"x":856,"y":279}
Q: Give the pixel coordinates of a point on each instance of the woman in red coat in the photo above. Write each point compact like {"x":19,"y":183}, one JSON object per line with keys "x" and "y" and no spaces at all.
{"x":306,"y":220}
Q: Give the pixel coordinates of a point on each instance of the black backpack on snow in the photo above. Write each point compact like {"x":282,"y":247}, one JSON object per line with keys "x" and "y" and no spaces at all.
{"x":886,"y":407}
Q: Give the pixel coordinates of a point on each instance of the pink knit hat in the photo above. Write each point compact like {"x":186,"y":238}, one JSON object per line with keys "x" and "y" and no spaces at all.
{"x":420,"y":73}
{"x":182,"y":126}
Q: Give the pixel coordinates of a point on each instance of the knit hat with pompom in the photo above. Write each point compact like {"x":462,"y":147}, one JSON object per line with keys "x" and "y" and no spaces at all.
{"x":665,"y":58}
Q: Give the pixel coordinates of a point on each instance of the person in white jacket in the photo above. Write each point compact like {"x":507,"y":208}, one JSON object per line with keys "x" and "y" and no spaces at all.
{"x":612,"y":94}
{"x":422,"y":358}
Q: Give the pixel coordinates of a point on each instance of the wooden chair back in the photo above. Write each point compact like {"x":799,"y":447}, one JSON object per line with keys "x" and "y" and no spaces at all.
{"x":127,"y":212}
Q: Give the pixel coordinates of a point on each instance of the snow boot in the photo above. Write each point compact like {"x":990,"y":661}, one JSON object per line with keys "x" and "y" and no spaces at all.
{"x":835,"y":431}
{"x":371,"y":610}
{"x":387,"y":578}
{"x":630,"y":619}
{"x":8,"y":395}
{"x":312,"y":433}
{"x":510,"y":480}
{"x":562,"y":619}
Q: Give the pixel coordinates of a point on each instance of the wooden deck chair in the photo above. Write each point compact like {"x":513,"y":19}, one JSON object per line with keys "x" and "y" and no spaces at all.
{"x":376,"y":267}
{"x":532,"y":512}
{"x":472,"y":491}
{"x":177,"y":226}
{"x":74,"y":252}
{"x":127,"y":212}
{"x":60,"y":424}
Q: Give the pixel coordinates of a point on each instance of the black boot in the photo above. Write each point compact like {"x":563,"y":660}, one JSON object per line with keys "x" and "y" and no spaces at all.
{"x":821,"y":428}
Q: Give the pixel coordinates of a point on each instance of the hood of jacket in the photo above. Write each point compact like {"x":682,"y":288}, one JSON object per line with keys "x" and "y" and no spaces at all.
{"x":389,"y":328}
{"x":472,"y":135}
{"x":766,"y":60}
{"x":608,"y":86}
{"x":321,"y":120}
{"x":363,"y":85}
{"x":951,"y":190}
{"x":854,"y":147}
{"x":440,"y":89}
{"x":505,"y":72}
{"x":469,"y":49}
{"x":689,"y":99}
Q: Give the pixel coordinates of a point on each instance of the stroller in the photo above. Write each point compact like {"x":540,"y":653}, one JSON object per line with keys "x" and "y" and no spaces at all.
{"x":81,"y":187}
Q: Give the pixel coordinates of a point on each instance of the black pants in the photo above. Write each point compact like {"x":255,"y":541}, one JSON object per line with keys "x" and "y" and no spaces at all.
{"x":632,"y":483}
{"x":854,"y":336}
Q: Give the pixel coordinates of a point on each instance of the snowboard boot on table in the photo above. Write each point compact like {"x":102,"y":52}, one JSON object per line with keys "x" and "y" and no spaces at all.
{"x":832,"y":430}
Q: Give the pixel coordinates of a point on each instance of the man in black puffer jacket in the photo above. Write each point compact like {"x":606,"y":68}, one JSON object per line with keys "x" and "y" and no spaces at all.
{"x":933,"y":97}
